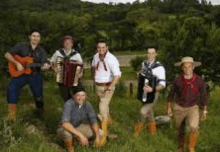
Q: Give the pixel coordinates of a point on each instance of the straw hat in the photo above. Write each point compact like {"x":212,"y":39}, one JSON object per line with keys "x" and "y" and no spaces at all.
{"x":187,"y":59}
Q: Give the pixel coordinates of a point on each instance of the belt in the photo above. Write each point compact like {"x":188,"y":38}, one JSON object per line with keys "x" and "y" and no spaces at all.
{"x":103,"y":84}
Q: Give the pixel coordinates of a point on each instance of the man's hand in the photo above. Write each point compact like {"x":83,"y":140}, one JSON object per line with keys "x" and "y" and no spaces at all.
{"x":83,"y":141}
{"x":96,"y":142}
{"x":79,"y":75}
{"x":147,"y":89}
{"x":19,"y":66}
{"x":204,"y":115}
{"x":169,"y":111}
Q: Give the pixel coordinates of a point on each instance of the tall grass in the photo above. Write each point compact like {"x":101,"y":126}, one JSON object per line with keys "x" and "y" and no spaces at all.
{"x":124,"y":110}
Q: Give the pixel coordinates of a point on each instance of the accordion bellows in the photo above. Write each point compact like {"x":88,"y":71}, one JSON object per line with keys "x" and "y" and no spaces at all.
{"x":67,"y":71}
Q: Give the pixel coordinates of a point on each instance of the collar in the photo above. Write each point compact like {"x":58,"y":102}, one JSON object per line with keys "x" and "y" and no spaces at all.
{"x":79,"y":105}
{"x":30,"y":46}
{"x":193,"y":78}
{"x":106,"y":54}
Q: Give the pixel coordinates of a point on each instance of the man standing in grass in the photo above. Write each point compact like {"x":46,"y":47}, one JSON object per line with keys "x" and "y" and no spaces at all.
{"x":186,"y":91}
{"x":78,"y":120}
{"x":35,"y":79}
{"x":69,"y":54}
{"x":156,"y":69}
{"x":105,"y":67}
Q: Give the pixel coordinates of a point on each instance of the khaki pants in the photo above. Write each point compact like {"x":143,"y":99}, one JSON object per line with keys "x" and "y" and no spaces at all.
{"x":84,"y":128}
{"x":191,"y":114}
{"x":105,"y":98}
{"x":147,"y":110}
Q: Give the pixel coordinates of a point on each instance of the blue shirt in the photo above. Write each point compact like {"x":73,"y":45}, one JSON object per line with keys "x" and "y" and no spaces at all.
{"x":75,"y":114}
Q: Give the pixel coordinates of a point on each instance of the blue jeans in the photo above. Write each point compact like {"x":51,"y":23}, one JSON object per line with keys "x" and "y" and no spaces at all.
{"x":36,"y":85}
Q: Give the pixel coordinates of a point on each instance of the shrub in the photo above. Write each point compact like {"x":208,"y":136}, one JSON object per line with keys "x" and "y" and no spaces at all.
{"x":120,"y":89}
{"x":136,"y":63}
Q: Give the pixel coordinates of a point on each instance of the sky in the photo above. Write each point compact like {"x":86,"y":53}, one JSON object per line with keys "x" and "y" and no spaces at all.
{"x":214,"y":2}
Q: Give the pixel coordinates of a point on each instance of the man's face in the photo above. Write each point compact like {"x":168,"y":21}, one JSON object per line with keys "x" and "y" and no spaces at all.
{"x":102,"y":48}
{"x":68,"y":44}
{"x":80,"y":97}
{"x":35,"y":38}
{"x":188,"y":68}
{"x":151,"y":54}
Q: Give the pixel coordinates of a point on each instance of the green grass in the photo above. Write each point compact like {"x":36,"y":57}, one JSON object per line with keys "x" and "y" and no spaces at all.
{"x":125,"y":110}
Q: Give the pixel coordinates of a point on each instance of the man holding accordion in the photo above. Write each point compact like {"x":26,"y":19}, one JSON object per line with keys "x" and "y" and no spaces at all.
{"x":151,"y":81}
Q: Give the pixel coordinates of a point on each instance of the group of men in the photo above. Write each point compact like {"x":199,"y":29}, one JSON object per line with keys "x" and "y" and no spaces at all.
{"x":79,"y":119}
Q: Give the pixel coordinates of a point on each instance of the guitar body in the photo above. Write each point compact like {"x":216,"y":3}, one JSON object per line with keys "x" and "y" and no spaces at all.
{"x":24,"y":61}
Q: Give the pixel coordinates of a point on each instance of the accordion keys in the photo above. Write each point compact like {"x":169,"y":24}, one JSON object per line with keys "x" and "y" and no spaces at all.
{"x":67,"y":72}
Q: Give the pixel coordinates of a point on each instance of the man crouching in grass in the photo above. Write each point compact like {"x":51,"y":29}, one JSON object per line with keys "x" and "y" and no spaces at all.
{"x":78,"y":121}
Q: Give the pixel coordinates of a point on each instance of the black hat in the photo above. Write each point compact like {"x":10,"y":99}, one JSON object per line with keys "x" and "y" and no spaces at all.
{"x":74,"y":90}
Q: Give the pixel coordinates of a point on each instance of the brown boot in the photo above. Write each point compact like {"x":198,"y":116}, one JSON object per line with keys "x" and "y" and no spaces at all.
{"x":152,"y":129}
{"x":181,"y":140}
{"x":138,"y":127}
{"x":105,"y":133}
{"x":192,"y":142}
{"x":110,"y":121}
{"x":69,"y":145}
{"x":12,"y":111}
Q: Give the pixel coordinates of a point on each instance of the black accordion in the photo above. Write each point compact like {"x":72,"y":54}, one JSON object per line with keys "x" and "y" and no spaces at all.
{"x":149,"y":79}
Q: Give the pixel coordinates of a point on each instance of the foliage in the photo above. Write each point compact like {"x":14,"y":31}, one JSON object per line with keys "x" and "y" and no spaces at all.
{"x":136,"y":63}
{"x":120,"y":89}
{"x":179,"y":28}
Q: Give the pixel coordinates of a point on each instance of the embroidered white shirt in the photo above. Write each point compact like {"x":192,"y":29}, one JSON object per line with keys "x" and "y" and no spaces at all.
{"x":112,"y":65}
{"x":76,"y":57}
{"x":160,"y":73}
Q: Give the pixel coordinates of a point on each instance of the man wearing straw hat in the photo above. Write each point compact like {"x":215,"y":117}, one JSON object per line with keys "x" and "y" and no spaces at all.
{"x":187,"y":89}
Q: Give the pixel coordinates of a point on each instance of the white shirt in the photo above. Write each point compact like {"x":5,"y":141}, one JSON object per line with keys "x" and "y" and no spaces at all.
{"x":158,"y":72}
{"x":112,"y":64}
{"x":76,"y":57}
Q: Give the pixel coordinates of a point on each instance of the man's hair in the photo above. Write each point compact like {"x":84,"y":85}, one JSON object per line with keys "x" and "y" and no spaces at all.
{"x":34,"y":30}
{"x":102,"y":41}
{"x":152,"y":46}
{"x":76,"y":89}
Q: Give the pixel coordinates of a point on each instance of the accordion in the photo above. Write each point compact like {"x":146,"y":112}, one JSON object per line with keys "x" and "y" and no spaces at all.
{"x":67,"y":71}
{"x":142,"y":81}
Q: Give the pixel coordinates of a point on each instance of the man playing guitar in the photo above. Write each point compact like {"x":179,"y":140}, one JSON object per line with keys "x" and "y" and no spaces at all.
{"x":33,"y":51}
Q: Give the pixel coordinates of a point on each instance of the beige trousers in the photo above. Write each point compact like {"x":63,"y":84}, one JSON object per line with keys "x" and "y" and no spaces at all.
{"x":147,"y":110}
{"x":84,"y":128}
{"x":191,"y":114}
{"x":104,"y":100}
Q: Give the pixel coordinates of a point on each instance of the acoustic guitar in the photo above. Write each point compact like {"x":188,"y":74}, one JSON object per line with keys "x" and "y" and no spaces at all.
{"x":25,"y":61}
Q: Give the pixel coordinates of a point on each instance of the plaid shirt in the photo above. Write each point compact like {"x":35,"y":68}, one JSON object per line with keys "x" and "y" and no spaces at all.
{"x":188,"y":98}
{"x":76,"y":114}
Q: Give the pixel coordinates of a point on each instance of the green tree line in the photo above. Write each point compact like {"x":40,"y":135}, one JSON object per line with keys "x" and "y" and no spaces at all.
{"x":178,"y":27}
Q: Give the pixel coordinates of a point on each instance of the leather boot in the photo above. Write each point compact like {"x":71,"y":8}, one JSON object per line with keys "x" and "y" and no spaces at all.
{"x":110,"y":121}
{"x":105,"y":133}
{"x":192,"y":142}
{"x":138,"y":127}
{"x":12,"y":111}
{"x":181,"y":140}
{"x":69,"y":145}
{"x":152,"y":129}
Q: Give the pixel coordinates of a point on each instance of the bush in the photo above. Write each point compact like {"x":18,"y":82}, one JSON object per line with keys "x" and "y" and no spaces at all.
{"x":120,"y":89}
{"x":136,"y":63}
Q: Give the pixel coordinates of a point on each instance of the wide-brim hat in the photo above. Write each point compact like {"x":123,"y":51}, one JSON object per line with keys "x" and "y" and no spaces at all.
{"x":189,"y":60}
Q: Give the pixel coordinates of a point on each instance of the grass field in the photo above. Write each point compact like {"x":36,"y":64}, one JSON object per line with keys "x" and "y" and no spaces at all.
{"x":125,"y":110}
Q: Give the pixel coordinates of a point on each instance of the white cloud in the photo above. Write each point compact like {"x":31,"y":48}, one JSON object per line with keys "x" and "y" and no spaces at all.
{"x":114,"y":1}
{"x":214,"y":2}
